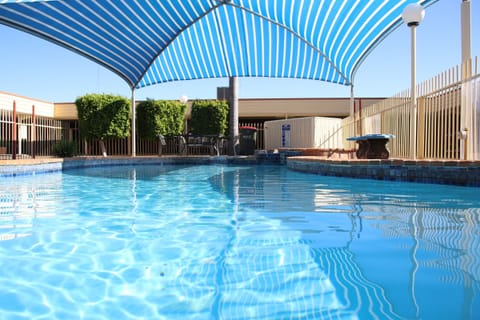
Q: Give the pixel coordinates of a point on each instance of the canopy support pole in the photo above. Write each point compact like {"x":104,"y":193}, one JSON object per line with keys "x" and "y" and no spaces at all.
{"x":134,"y":131}
{"x":233,"y":100}
{"x":352,"y":108}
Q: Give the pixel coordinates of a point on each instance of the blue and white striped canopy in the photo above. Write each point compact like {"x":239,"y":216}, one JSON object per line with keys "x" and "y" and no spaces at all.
{"x":153,"y":41}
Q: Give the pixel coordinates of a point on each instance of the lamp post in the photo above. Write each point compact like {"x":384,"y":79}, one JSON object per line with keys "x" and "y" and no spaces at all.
{"x":412,"y":15}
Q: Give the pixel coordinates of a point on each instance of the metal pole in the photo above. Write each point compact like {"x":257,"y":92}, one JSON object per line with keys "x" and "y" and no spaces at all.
{"x":466,"y":116}
{"x":134,"y":131}
{"x":33,"y":134}
{"x":413,"y":94}
{"x":466,"y":46}
{"x":14,"y":133}
{"x":352,"y":108}
{"x":233,"y":84}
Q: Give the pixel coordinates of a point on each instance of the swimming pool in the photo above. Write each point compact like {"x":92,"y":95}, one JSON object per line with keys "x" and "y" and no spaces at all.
{"x":235,"y":242}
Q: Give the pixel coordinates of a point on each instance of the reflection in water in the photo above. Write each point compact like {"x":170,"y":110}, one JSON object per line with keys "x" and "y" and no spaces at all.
{"x":266,"y":270}
{"x":25,"y":200}
{"x":426,"y":234}
{"x":225,"y":241}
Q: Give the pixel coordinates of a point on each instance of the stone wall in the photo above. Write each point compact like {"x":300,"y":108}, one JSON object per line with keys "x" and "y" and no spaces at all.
{"x":464,"y":173}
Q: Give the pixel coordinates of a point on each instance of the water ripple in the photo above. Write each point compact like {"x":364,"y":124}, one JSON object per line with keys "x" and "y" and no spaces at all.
{"x":203,"y":242}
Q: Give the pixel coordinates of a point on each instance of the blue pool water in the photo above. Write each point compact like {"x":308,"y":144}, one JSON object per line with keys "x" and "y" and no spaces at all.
{"x":235,"y":242}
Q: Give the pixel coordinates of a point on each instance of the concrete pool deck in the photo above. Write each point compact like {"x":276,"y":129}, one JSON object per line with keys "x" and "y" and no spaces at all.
{"x":463,"y":173}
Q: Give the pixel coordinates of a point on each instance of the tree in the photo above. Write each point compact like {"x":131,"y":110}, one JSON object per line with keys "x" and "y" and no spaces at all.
{"x":160,"y":117}
{"x":209,"y":117}
{"x":102,"y":116}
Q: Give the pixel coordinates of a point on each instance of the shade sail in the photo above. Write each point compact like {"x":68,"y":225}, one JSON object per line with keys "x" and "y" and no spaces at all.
{"x":148,"y":42}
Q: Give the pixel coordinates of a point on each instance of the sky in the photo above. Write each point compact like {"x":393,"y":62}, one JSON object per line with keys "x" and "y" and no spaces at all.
{"x":35,"y":68}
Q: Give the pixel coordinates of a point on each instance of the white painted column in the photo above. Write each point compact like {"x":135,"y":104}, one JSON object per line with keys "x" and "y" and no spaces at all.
{"x":233,"y":100}
{"x":134,"y":131}
{"x":352,"y":110}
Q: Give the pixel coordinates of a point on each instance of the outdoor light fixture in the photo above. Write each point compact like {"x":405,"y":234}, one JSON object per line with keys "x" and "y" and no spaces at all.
{"x":183,"y":99}
{"x":412,"y":15}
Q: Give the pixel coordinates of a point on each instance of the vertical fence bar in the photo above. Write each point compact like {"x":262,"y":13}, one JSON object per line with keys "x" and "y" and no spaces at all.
{"x":14,"y":131}
{"x":432,"y":117}
{"x":440,"y":115}
{"x":449,"y":107}
{"x":427,"y":87}
{"x":33,"y":139}
{"x":457,"y":110}
{"x":456,"y":116}
{"x":476,"y":113}
{"x":436,"y":115}
{"x":421,"y":128}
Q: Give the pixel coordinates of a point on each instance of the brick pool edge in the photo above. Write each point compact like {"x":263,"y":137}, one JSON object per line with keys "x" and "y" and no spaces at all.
{"x":463,"y":173}
{"x":13,"y":168}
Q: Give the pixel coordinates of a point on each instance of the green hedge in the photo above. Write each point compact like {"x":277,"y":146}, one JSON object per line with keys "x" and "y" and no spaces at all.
{"x":209,"y":117}
{"x":65,"y":149}
{"x":102,"y":116}
{"x":155,"y":117}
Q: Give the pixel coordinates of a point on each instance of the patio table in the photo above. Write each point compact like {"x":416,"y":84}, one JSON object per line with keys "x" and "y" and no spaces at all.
{"x":372,"y":146}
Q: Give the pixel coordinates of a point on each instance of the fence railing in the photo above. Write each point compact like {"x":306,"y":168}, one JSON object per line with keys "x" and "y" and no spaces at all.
{"x":122,"y":147}
{"x":26,"y":135}
{"x":448,"y":124}
{"x":259,"y":125}
{"x":173,"y":146}
{"x":119,"y":147}
{"x":448,"y":117}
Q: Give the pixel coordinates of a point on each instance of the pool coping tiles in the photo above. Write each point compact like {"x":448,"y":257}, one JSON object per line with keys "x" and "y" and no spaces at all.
{"x":463,"y":173}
